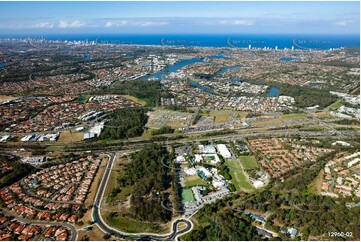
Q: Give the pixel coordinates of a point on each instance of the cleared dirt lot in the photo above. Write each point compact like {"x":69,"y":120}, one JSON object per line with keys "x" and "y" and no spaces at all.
{"x":174,"y":119}
{"x":4,"y":98}
{"x":70,"y":136}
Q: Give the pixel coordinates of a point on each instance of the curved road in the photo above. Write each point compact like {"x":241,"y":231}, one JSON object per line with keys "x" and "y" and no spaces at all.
{"x":97,"y":218}
{"x":74,"y":233}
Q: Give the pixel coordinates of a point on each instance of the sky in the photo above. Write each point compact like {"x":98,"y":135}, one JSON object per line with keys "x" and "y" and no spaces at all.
{"x":180,"y":17}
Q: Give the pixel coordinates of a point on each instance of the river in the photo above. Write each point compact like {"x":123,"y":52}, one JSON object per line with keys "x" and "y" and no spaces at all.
{"x":172,"y":68}
{"x":287,"y":59}
{"x":273,"y":92}
{"x":203,"y":88}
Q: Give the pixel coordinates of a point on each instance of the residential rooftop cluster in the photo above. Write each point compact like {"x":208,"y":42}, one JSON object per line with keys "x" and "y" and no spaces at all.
{"x":228,"y":87}
{"x":5,"y":167}
{"x":60,"y":83}
{"x":61,"y":189}
{"x":64,"y":115}
{"x":303,"y":69}
{"x":342,"y":176}
{"x":184,"y":95}
{"x":47,"y":85}
{"x":205,"y":68}
{"x":107,"y":76}
{"x":11,"y":229}
{"x":15,"y":230}
{"x":68,"y":182}
{"x":14,"y":111}
{"x":278,"y":160}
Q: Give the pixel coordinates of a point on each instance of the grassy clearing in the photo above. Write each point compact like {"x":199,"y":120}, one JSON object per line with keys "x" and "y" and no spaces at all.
{"x":94,"y":235}
{"x":53,"y":148}
{"x":187,"y":195}
{"x":194,"y":180}
{"x":113,"y":182}
{"x":70,"y":136}
{"x":224,"y":115}
{"x":323,"y":115}
{"x":147,"y":134}
{"x":132,"y":226}
{"x":294,"y":116}
{"x":83,"y":98}
{"x":248,"y":162}
{"x":335,"y":105}
{"x":238,"y":178}
{"x":266,"y":122}
{"x":220,"y":116}
{"x":135,"y":99}
{"x":282,"y":118}
{"x":316,"y":185}
{"x":95,"y":184}
{"x":182,"y":226}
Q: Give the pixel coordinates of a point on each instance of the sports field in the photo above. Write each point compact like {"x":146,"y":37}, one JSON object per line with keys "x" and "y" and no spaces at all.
{"x":187,"y":195}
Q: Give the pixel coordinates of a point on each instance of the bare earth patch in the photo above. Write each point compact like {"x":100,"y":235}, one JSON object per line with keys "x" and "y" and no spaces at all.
{"x":4,"y":98}
{"x":69,"y":136}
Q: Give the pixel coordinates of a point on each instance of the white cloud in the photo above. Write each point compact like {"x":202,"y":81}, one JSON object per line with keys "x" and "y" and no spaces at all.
{"x":42,"y":25}
{"x":13,"y":26}
{"x":115,"y":23}
{"x":137,"y":23}
{"x":343,"y":22}
{"x":236,"y":22}
{"x":108,"y":24}
{"x":150,"y":23}
{"x":63,"y":24}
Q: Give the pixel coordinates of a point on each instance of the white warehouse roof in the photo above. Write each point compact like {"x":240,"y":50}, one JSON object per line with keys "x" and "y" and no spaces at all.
{"x":224,"y":151}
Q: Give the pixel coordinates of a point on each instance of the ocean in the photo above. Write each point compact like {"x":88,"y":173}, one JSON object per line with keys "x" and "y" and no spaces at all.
{"x":211,"y":40}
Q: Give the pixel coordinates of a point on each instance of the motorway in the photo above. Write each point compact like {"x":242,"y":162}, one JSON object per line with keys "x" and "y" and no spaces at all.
{"x":98,"y":220}
{"x":324,"y":124}
{"x":140,"y":142}
{"x":74,"y":233}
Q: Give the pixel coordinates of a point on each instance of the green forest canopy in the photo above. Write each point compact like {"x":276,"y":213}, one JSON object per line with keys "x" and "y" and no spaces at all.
{"x":125,"y":123}
{"x":148,"y":179}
